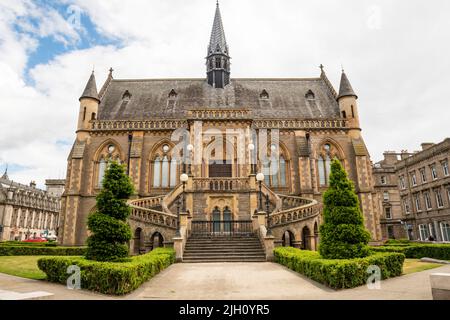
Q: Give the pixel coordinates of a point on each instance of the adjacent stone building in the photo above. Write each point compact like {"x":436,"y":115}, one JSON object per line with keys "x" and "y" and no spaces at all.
{"x":27,"y":212}
{"x":230,"y":129}
{"x":418,"y":184}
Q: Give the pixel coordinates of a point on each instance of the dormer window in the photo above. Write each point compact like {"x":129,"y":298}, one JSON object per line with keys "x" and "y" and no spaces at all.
{"x":126,"y":96}
{"x":310,"y":95}
{"x":173,"y":94}
{"x":264,"y":95}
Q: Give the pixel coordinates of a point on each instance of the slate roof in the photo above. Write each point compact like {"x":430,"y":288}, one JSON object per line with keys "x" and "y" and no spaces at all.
{"x":146,"y":99}
{"x":218,"y":43}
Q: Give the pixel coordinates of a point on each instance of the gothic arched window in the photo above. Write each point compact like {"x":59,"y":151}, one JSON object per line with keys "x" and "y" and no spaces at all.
{"x":109,"y":152}
{"x":327,"y":153}
{"x":165,"y":167}
{"x":101,"y":171}
{"x":275,"y":169}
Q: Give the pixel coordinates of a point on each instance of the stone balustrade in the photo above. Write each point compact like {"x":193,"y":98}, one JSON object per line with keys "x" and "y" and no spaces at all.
{"x":113,"y":125}
{"x":306,"y":209}
{"x":148,"y":203}
{"x":221,"y":184}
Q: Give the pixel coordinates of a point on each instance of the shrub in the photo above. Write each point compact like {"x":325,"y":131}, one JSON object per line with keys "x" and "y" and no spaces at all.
{"x":418,"y":251}
{"x":339,"y":273}
{"x":117,"y":278}
{"x":343,"y":235}
{"x":34,"y":244}
{"x":17,"y":250}
{"x":110,"y":231}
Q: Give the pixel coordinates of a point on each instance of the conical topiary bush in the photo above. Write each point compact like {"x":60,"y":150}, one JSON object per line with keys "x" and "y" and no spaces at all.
{"x":110,"y":231}
{"x":343,"y":235}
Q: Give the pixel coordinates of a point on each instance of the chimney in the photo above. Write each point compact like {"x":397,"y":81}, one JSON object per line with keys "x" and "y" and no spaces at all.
{"x":390,"y":157}
{"x":404,"y":154}
{"x":33,"y":184}
{"x":426,"y":145}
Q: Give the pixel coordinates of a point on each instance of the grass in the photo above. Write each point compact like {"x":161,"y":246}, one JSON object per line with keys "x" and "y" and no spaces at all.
{"x":22,"y":266}
{"x":415,"y":265}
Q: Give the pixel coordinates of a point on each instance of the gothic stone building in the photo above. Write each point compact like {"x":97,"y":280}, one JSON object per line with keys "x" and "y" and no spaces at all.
{"x":27,"y":212}
{"x":288,"y":129}
{"x":416,"y":192}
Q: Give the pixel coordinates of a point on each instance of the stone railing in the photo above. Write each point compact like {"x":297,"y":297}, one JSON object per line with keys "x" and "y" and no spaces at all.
{"x":113,"y":125}
{"x":221,"y":184}
{"x":273,"y":198}
{"x":308,"y":208}
{"x":148,"y":203}
{"x":301,"y":124}
{"x":219,"y":114}
{"x":154,"y":217}
{"x":290,"y":202}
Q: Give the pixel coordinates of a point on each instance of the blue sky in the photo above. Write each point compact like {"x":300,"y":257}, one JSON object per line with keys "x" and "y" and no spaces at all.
{"x":395,"y":54}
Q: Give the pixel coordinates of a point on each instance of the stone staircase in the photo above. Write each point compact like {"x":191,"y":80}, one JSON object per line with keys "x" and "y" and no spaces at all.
{"x":223,"y":249}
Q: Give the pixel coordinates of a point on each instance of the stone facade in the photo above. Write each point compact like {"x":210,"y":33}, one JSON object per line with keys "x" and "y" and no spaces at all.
{"x":420,"y":188}
{"x":300,"y":124}
{"x":27,"y":212}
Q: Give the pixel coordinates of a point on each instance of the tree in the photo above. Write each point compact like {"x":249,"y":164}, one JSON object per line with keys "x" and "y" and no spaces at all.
{"x":110,"y":231}
{"x":343,"y":235}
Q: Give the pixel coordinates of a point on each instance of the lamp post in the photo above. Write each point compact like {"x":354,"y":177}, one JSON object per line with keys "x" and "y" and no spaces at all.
{"x":251,"y":148}
{"x":184,"y":178}
{"x":178,"y":233}
{"x":260,"y":179}
{"x":269,"y":232}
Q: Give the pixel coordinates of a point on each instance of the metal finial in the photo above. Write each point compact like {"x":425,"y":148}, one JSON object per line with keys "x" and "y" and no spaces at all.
{"x":321,"y":67}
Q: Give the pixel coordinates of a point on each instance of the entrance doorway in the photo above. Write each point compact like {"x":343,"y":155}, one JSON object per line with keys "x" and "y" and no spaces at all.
{"x":220,"y":169}
{"x":306,"y":239}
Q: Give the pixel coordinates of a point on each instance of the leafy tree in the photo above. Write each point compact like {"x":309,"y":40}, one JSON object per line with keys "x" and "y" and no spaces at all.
{"x":110,"y":231}
{"x":343,"y":235}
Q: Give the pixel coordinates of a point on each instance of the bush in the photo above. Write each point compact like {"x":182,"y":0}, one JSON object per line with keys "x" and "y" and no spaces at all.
{"x":418,"y":251}
{"x":339,"y":273}
{"x":34,"y":244}
{"x":110,"y":231}
{"x":343,"y":235}
{"x":117,"y":278}
{"x":17,"y":250}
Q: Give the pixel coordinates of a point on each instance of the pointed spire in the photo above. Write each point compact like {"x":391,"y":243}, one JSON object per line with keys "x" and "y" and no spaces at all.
{"x":218,"y":42}
{"x":5,"y":175}
{"x":324,"y":77}
{"x":106,"y":84}
{"x":91,"y":89}
{"x":345,"y":89}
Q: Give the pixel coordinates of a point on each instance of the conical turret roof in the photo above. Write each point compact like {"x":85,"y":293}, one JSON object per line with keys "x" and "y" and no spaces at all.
{"x":345,"y":89}
{"x":218,"y":42}
{"x":91,"y":89}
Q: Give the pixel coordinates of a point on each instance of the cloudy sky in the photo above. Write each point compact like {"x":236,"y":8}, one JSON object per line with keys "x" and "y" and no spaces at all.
{"x":395,"y":52}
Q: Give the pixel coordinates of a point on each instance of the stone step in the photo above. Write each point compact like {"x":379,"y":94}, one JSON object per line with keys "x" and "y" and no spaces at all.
{"x":240,"y":259}
{"x":228,"y":254}
{"x":223,"y":250}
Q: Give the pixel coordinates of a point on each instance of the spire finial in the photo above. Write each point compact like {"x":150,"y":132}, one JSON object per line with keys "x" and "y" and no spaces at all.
{"x":111,"y":70}
{"x":5,"y":175}
{"x":321,"y":67}
{"x":217,"y":3}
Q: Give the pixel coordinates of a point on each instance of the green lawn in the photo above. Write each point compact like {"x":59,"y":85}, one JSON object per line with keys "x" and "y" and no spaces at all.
{"x":415,"y":265}
{"x":22,"y":266}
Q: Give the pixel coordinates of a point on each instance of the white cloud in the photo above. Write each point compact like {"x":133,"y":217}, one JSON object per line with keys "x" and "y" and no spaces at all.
{"x":399,"y":68}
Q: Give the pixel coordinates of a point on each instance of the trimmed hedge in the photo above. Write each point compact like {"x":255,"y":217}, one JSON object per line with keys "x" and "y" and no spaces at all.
{"x":16,"y":250}
{"x":115,"y":278}
{"x":339,"y":273}
{"x":31,"y":244}
{"x":418,"y":251}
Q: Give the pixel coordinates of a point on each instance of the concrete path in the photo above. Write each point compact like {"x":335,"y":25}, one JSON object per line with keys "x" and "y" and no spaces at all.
{"x":234,"y":281}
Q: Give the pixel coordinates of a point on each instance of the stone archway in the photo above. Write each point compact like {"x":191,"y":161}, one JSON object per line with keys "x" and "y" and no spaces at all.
{"x":138,"y":241}
{"x":306,"y":238}
{"x":288,"y":239}
{"x":156,"y":240}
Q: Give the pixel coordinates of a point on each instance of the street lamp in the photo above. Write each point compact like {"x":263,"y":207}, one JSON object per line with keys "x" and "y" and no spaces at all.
{"x":251,"y":148}
{"x":184,"y":178}
{"x":269,"y":232}
{"x":260,"y":179}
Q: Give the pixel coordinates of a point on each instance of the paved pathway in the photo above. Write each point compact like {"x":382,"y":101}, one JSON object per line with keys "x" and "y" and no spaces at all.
{"x":236,"y":281}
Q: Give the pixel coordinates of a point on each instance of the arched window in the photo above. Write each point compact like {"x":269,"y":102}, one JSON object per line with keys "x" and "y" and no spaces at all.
{"x":165,"y":172}
{"x":157,"y":173}
{"x":218,"y":62}
{"x":93,"y":116}
{"x":282,"y":172}
{"x":321,"y":165}
{"x":327,"y":153}
{"x":274,"y":172}
{"x":310,"y":95}
{"x":101,"y":171}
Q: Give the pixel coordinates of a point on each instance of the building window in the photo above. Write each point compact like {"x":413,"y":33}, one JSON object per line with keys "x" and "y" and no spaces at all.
{"x":406,"y":206}
{"x":391,"y":234}
{"x":101,"y":171}
{"x":439,"y":201}
{"x":157,"y":173}
{"x":383,"y":180}
{"x":433,"y":172}
{"x":445,"y":168}
{"x":402,"y":182}
{"x":275,"y":172}
{"x":388,"y":212}
{"x":418,"y":204}
{"x":386,"y":196}
{"x":424,"y":232}
{"x":445,"y":231}
{"x":423,"y":175}
{"x":413,"y":179}
{"x":324,"y":170}
{"x":165,"y":168}
{"x":427,"y":198}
